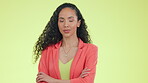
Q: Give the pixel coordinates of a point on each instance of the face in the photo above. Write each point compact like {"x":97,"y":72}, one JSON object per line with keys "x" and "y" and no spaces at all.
{"x":67,"y":22}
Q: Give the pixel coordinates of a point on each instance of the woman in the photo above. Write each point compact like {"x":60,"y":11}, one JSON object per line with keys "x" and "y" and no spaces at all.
{"x":67,"y":56}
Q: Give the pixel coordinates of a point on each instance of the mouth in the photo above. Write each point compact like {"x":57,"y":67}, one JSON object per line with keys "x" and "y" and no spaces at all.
{"x":66,"y":31}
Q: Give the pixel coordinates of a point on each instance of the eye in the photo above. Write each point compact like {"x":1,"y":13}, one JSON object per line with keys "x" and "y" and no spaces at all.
{"x":61,"y":20}
{"x":70,"y":20}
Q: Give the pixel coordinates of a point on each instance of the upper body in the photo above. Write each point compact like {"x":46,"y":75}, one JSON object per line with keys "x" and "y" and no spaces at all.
{"x":86,"y":56}
{"x":65,"y":38}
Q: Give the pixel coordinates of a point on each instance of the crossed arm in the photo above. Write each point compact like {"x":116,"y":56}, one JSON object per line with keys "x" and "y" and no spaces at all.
{"x":41,"y":76}
{"x":87,"y":75}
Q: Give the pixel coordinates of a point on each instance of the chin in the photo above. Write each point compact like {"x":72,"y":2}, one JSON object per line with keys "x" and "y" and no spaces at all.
{"x":66,"y":35}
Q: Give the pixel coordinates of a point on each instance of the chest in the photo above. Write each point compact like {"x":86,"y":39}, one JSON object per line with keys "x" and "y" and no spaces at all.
{"x":66,"y":55}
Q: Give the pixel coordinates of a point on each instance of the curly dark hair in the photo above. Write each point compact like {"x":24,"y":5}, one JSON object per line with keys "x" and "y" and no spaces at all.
{"x":51,"y":34}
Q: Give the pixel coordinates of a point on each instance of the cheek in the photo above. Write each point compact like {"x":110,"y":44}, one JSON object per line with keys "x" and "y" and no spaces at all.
{"x":74,"y":26}
{"x":60,"y":25}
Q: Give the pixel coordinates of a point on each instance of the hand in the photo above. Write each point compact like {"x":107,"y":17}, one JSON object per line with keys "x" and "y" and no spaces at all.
{"x":84,"y":72}
{"x":42,"y":77}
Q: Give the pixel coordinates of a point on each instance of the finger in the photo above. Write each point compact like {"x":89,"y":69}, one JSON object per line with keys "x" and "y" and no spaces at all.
{"x":37,"y":74}
{"x":39,"y":77}
{"x":84,"y":75}
{"x":86,"y":68}
{"x":85,"y":72}
{"x":40,"y":80}
{"x":40,"y":73}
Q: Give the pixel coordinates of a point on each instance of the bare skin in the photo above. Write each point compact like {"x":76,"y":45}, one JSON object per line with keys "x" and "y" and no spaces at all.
{"x":68,"y":24}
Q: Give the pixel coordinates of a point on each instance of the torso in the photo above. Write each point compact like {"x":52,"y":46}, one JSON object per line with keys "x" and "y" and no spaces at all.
{"x":64,"y":59}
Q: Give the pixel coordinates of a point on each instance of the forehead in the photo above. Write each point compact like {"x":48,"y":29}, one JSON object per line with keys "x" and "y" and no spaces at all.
{"x":67,"y":12}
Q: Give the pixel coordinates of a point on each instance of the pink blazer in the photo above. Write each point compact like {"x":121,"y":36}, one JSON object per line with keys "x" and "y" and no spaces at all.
{"x":86,"y":56}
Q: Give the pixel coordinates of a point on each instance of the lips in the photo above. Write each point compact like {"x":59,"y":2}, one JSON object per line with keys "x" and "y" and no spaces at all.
{"x":66,"y":31}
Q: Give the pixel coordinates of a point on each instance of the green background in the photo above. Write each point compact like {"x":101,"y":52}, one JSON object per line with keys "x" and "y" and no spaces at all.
{"x":117,"y":27}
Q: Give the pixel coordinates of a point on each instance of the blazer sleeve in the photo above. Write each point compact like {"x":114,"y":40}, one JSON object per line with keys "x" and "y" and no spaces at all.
{"x":91,"y":62}
{"x":42,"y":66}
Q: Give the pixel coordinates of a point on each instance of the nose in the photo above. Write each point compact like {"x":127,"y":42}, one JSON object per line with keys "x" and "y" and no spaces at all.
{"x":66,"y":24}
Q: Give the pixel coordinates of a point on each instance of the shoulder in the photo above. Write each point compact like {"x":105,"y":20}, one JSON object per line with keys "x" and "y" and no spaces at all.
{"x":48,"y":47}
{"x":90,"y":49}
{"x":47,"y":50}
{"x":52,"y":47}
{"x":90,"y":46}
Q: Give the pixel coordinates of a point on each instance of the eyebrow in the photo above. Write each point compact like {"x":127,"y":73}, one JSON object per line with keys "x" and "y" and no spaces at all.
{"x":68,"y":17}
{"x":61,"y":18}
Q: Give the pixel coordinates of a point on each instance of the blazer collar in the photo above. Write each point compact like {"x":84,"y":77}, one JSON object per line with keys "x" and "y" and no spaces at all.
{"x":80,"y":44}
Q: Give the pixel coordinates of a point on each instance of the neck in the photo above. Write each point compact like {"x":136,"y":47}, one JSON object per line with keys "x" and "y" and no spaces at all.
{"x":70,"y":42}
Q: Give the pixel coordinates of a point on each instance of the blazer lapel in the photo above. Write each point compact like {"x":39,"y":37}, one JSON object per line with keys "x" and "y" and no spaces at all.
{"x":74,"y":63}
{"x":76,"y":59}
{"x":56,"y":59}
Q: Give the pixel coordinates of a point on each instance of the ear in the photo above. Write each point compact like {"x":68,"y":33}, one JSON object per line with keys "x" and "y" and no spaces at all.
{"x":79,"y":23}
